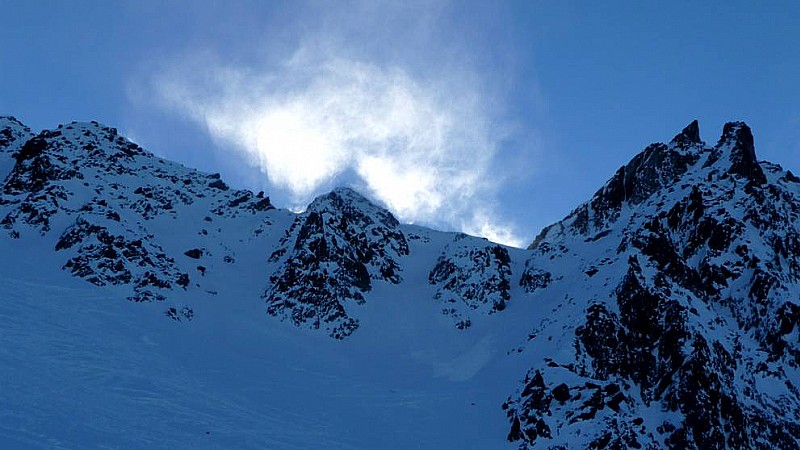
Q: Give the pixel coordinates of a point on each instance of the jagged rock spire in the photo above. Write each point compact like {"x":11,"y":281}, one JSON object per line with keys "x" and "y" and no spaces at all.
{"x":689,"y":135}
{"x":738,"y":138}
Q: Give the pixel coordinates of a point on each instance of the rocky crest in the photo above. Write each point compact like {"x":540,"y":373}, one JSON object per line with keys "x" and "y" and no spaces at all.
{"x":471,"y":276}
{"x":687,"y":312}
{"x":102,"y":194}
{"x":329,"y":258}
{"x":13,"y":135}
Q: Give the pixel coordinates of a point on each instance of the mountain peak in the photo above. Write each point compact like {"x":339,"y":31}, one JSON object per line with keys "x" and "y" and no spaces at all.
{"x":329,"y":258}
{"x":343,"y":199}
{"x":13,"y":134}
{"x":657,"y":167}
{"x":735,"y":129}
{"x":738,"y":139}
{"x":689,"y":135}
{"x":735,"y":147}
{"x":347,"y":193}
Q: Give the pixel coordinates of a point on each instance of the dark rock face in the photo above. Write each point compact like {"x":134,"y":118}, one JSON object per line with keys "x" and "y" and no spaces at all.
{"x":194,"y":253}
{"x":472,"y":275}
{"x":103,"y":257}
{"x":329,"y":258}
{"x":689,"y":136}
{"x":534,"y":279}
{"x":13,"y":134}
{"x":697,"y":324}
{"x":742,"y":153}
{"x":585,"y":403}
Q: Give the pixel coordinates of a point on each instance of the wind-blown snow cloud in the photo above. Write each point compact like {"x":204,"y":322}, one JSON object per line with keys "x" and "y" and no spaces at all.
{"x":425,"y":147}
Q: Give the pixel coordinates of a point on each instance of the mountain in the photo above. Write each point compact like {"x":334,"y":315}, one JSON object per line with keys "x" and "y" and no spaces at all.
{"x":661,"y":313}
{"x":674,"y":291}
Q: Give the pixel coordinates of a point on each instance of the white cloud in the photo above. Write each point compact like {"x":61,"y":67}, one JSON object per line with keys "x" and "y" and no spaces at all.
{"x":482,"y":224}
{"x":423,"y":147}
{"x":424,"y":150}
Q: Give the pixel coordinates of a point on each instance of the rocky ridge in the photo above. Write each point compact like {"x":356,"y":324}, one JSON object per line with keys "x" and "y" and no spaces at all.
{"x":685,"y":312}
{"x":665,"y":310}
{"x":122,"y":216}
{"x":104,"y":197}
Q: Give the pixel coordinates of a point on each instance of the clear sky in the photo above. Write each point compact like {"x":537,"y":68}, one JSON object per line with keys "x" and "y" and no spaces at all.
{"x":496,"y":118}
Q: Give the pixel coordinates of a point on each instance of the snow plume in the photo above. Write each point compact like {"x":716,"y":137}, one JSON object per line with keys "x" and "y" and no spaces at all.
{"x":424,"y":147}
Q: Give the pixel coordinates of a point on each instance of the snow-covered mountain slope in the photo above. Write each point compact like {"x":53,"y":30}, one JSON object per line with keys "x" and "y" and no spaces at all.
{"x":661,"y":313}
{"x":116,"y":214}
{"x":83,"y":368}
{"x":209,"y":342}
{"x":674,"y":297}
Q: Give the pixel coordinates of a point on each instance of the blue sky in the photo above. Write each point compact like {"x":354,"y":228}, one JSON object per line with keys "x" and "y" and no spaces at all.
{"x":496,"y":118}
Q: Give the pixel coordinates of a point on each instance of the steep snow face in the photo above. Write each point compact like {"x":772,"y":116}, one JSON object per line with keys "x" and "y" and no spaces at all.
{"x":118,"y":214}
{"x":674,"y":307}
